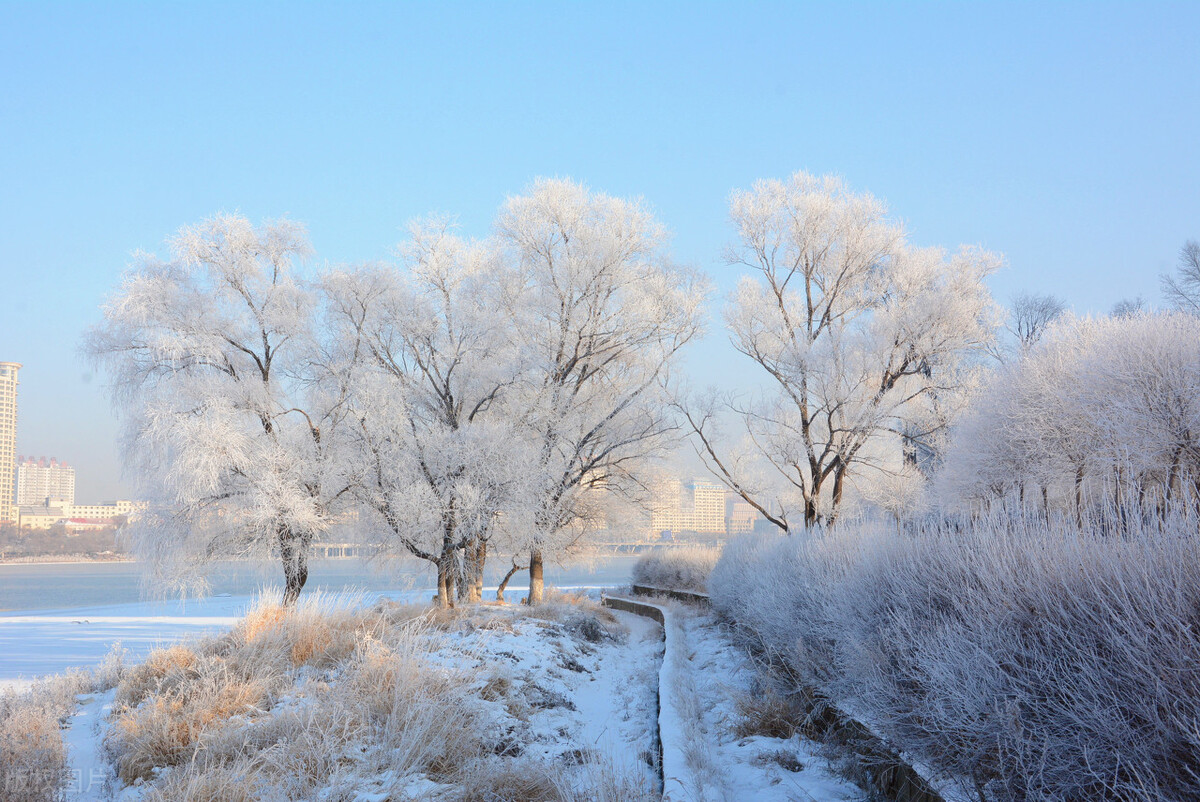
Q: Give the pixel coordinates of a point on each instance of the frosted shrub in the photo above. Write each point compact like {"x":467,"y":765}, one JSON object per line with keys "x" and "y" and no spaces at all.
{"x":32,"y":756}
{"x":1023,"y":658}
{"x":296,"y":699}
{"x":33,"y":759}
{"x":685,"y":568}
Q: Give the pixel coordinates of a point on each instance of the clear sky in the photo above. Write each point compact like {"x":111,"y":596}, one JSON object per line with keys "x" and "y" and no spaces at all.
{"x":1063,"y":135}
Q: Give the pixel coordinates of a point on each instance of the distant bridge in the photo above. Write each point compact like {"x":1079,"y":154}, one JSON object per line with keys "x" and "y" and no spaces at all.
{"x":327,"y":551}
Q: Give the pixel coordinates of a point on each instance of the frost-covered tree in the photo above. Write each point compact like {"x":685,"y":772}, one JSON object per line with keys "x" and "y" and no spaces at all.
{"x":863,"y":337}
{"x":1102,"y":411}
{"x":228,"y":426}
{"x":434,"y":357}
{"x":601,"y":319}
{"x":1128,"y":307}
{"x":1031,"y":315}
{"x":1182,"y":290}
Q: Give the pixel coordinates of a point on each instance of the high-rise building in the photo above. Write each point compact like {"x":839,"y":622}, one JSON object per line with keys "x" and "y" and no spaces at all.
{"x":8,"y":441}
{"x":695,"y":506}
{"x":667,"y":507}
{"x":740,"y":516}
{"x":708,"y":507}
{"x":42,"y":481}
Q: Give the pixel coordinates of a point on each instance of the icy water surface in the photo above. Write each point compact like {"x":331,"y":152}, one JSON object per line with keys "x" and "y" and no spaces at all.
{"x":65,"y":615}
{"x":42,"y":586}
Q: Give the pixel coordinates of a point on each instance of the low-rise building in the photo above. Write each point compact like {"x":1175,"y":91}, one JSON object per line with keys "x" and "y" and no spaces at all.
{"x":77,"y":517}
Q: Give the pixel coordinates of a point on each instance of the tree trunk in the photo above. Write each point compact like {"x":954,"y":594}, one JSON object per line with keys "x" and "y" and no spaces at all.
{"x":535,"y":577}
{"x":470,"y":580}
{"x":839,"y":484}
{"x":810,"y":511}
{"x":475,"y":592}
{"x":504,"y":582}
{"x":445,"y":580}
{"x":293,"y":551}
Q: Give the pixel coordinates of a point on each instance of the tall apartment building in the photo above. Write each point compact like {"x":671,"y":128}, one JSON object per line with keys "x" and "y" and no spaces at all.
{"x":740,"y":516}
{"x":708,"y":506}
{"x":8,"y":441}
{"x":667,"y":507}
{"x":697,"y":506}
{"x":42,"y":479}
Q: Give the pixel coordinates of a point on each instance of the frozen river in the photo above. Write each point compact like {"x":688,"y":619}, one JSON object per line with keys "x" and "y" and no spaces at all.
{"x":55,"y":616}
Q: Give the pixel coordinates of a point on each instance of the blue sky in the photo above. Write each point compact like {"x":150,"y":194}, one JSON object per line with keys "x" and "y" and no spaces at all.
{"x":1063,"y":135}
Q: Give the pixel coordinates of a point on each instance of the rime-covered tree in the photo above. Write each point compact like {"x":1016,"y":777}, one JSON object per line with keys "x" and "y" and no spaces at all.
{"x":433,"y":359}
{"x":1129,"y":307}
{"x":1102,"y":411}
{"x":216,"y":371}
{"x":1182,"y":290}
{"x":863,"y":337}
{"x":1031,"y":315}
{"x":601,"y":319}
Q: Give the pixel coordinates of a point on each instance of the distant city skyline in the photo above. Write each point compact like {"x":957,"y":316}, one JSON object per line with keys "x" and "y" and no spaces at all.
{"x":1062,"y":135}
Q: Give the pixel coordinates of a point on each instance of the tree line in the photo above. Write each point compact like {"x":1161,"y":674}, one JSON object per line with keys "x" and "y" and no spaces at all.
{"x":504,"y":393}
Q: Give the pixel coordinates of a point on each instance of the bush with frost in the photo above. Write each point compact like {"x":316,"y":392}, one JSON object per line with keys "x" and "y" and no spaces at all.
{"x":1021,"y":656}
{"x":685,"y":568}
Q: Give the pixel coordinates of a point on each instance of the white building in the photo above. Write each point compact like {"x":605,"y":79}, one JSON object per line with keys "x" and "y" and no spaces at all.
{"x":8,"y":440}
{"x":695,"y":506}
{"x":39,"y":480}
{"x":77,"y":517}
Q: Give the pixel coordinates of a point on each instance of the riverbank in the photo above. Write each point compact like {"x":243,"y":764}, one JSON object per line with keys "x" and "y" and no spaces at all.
{"x":370,"y":699}
{"x":66,"y":559}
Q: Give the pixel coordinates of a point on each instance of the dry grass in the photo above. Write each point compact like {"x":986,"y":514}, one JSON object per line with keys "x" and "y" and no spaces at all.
{"x":321,"y":629}
{"x":598,"y":780}
{"x":513,"y":781}
{"x":236,"y":783}
{"x":764,"y":711}
{"x":579,"y":615}
{"x":162,"y":666}
{"x":296,"y":703}
{"x":33,"y":759}
{"x":164,"y":726}
{"x":210,"y":712}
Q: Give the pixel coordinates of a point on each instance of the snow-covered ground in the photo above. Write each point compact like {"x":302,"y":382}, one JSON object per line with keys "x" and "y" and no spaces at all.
{"x":706,"y":758}
{"x":89,"y":777}
{"x":568,"y":699}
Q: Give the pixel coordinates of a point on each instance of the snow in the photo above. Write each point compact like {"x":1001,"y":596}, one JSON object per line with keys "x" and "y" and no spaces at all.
{"x":755,"y":767}
{"x":89,"y":773}
{"x":615,"y":705}
{"x":580,"y":702}
{"x":704,"y":760}
{"x":571,"y":701}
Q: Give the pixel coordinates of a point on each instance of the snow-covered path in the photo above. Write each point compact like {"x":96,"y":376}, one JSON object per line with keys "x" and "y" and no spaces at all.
{"x":89,"y":774}
{"x":616,"y":704}
{"x":709,"y":753}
